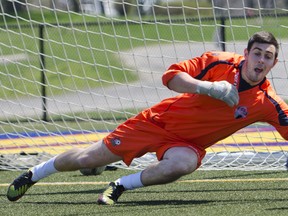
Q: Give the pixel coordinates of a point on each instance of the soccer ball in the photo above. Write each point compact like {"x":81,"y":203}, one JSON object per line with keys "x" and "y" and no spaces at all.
{"x":93,"y":171}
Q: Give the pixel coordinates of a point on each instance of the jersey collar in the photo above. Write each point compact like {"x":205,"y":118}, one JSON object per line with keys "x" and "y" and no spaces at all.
{"x":243,"y":85}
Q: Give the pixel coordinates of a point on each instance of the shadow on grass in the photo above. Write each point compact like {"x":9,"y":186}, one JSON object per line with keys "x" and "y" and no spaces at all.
{"x":277,"y":209}
{"x":35,"y":194}
{"x":124,"y":203}
{"x":163,"y":202}
{"x":210,"y":190}
{"x":97,"y":191}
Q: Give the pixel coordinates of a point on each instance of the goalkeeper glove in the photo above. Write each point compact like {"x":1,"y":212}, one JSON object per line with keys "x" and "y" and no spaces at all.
{"x":221,"y":90}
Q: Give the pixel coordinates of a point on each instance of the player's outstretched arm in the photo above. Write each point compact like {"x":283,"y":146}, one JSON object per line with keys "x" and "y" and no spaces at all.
{"x":222,"y":90}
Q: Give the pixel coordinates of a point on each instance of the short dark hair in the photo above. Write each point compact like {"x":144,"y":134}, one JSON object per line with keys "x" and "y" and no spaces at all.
{"x":263,"y":37}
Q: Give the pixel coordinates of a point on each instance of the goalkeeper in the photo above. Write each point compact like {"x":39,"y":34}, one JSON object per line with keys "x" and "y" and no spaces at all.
{"x":221,"y":92}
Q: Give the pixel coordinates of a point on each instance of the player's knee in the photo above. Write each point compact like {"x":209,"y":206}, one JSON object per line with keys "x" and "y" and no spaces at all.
{"x":179,"y":168}
{"x":183,"y":168}
{"x":181,"y":161}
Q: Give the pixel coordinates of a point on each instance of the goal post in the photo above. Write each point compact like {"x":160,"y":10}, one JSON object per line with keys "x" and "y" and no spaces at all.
{"x":71,"y":71}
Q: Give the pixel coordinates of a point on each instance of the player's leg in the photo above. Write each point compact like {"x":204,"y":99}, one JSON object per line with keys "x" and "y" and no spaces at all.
{"x":93,"y":156}
{"x":176,"y":162}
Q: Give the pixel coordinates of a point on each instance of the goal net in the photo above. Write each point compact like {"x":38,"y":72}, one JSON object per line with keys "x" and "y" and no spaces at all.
{"x":71,"y":71}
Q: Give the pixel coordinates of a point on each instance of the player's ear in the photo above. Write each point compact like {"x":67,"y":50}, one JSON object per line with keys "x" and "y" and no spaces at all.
{"x":275,"y":62}
{"x":246,"y":53}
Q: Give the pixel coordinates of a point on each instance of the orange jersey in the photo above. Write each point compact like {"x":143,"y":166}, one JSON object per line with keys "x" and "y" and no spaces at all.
{"x":205,"y":120}
{"x":201,"y":120}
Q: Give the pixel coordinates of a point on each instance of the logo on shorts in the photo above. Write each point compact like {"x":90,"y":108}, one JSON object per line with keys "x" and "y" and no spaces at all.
{"x":240,"y":112}
{"x":115,"y":141}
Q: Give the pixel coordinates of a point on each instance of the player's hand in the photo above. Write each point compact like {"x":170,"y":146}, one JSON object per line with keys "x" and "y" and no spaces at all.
{"x":221,"y":90}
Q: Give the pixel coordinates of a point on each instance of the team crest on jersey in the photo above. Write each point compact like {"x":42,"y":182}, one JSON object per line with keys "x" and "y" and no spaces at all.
{"x":115,"y":141}
{"x":240,"y":112}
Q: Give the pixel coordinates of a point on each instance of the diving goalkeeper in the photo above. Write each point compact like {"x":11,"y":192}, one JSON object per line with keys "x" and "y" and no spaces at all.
{"x":220,"y":93}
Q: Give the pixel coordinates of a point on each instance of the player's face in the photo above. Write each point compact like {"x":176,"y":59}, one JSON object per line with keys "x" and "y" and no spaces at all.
{"x":258,"y":62}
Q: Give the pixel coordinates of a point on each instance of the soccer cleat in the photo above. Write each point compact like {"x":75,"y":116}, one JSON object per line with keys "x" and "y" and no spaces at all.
{"x":19,"y":186}
{"x":111,"y":194}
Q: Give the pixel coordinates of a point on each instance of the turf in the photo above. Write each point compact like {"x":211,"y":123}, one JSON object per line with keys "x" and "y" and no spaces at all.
{"x":201,"y":193}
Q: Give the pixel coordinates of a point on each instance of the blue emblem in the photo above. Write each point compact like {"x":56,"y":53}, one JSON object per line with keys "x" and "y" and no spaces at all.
{"x":240,"y":112}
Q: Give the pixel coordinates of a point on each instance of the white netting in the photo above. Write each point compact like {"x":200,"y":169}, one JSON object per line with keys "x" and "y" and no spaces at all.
{"x":71,"y":71}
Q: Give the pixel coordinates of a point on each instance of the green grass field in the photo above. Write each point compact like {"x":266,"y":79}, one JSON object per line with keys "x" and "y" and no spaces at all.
{"x":201,"y":193}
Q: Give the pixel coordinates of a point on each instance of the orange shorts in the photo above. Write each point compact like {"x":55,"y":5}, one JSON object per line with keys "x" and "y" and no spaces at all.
{"x":138,"y":136}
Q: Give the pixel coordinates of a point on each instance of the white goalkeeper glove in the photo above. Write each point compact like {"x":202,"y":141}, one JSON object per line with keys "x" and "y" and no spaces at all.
{"x":221,"y":90}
